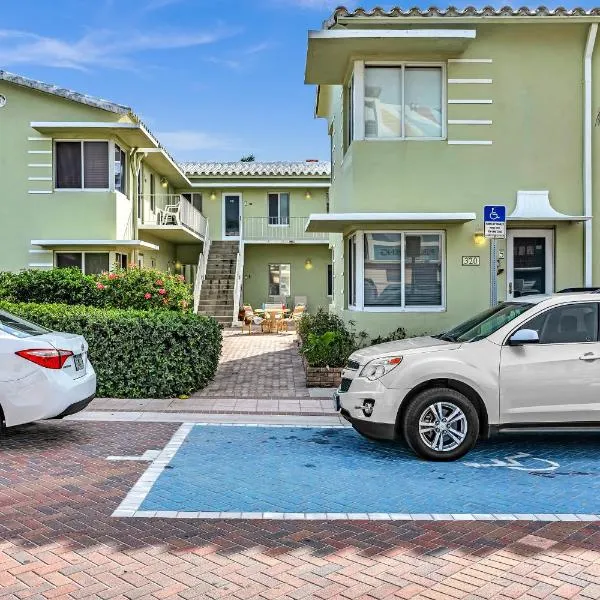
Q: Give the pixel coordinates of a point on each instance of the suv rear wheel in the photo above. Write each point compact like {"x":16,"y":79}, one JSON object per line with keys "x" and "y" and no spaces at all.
{"x":441,"y":424}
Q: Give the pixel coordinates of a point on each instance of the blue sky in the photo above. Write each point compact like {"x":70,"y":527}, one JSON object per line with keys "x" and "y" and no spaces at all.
{"x":214,"y":79}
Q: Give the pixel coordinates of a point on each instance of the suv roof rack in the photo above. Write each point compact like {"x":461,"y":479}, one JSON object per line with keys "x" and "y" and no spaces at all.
{"x":574,"y":290}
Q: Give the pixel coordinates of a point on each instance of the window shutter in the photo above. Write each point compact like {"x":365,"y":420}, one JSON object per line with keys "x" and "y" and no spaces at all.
{"x":95,"y":165}
{"x":68,"y":164}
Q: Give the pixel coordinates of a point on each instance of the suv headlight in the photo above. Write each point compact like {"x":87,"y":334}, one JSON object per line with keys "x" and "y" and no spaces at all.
{"x":379,"y":367}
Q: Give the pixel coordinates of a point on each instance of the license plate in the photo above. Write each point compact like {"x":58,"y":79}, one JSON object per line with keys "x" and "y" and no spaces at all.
{"x":79,"y":364}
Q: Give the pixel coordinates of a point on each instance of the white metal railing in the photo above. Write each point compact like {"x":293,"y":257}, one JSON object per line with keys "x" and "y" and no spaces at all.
{"x":279,"y":229}
{"x":201,"y":271}
{"x":237,"y":289}
{"x":174,"y":210}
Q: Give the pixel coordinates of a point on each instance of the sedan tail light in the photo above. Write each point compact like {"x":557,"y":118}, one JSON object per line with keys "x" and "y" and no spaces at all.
{"x":47,"y":358}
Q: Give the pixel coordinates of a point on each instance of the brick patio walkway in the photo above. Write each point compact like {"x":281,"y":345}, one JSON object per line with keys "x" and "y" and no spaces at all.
{"x":259,"y":373}
{"x":57,"y":539}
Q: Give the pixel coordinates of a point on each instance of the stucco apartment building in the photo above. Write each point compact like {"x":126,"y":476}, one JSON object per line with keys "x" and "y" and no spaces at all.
{"x":88,"y":185}
{"x":432,"y":115}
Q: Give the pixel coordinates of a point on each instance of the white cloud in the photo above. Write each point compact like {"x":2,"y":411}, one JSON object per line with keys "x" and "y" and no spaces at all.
{"x":103,"y":48}
{"x":186,"y":140}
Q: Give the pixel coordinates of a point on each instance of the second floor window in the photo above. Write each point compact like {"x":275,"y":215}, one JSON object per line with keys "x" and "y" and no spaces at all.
{"x":279,"y":209}
{"x":81,"y":165}
{"x":120,"y":171}
{"x":152,"y":193}
{"x":403,"y":102}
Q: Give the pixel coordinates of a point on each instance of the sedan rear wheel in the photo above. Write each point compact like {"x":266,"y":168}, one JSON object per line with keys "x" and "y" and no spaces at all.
{"x":441,"y":424}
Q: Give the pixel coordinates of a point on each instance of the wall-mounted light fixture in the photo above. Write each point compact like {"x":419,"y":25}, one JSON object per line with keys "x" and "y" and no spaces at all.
{"x":178,"y":266}
{"x":308,"y":195}
{"x":308,"y":264}
{"x":213,"y":196}
{"x":164,"y":182}
{"x":479,"y":238}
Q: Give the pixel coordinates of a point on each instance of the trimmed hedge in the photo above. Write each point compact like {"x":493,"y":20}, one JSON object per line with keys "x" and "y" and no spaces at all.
{"x":137,"y":354}
{"x":137,"y":288}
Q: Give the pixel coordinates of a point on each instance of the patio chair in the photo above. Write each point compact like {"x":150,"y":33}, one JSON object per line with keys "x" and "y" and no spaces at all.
{"x":300,"y":300}
{"x":250,"y":318}
{"x":299,"y":310}
{"x":273,"y":318}
{"x":169,"y":215}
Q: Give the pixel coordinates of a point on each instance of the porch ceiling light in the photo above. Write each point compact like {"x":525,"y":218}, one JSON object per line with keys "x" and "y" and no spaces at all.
{"x":308,"y":195}
{"x":164,"y":182}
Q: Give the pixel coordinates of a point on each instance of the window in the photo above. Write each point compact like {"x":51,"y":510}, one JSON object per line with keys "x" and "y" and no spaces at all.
{"x":330,"y":280}
{"x":19,"y":327}
{"x":395,"y":269}
{"x":403,"y":102}
{"x":279,"y":280}
{"x":152,"y":193}
{"x":120,"y":170}
{"x":569,"y":324}
{"x":352,"y":271}
{"x":140,"y":194}
{"x":121,"y":260}
{"x":91,"y":263}
{"x":81,"y":165}
{"x":195,"y":200}
{"x":349,"y":102}
{"x":279,"y":209}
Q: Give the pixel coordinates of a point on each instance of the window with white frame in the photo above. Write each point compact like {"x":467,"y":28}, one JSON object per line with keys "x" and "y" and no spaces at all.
{"x":403,"y":101}
{"x":90,"y":263}
{"x":396,"y":269}
{"x":120,"y":170}
{"x":280,"y":279}
{"x":279,"y":208}
{"x":81,"y":165}
{"x":349,"y":106}
{"x":152,"y":193}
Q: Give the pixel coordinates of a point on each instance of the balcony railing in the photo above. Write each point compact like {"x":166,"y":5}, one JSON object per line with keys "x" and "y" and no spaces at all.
{"x":279,"y":230}
{"x":173,"y":210}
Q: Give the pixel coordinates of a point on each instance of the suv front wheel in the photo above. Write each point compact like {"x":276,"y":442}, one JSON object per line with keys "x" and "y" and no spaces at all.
{"x":441,"y":424}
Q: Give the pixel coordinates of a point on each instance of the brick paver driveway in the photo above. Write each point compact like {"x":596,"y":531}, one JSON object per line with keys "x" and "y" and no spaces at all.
{"x":57,"y":539}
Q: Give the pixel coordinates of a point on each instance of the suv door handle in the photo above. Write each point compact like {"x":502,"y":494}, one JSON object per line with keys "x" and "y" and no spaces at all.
{"x":589,"y":356}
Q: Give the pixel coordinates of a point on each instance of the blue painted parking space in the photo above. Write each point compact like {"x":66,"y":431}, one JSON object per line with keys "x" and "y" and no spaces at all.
{"x":335,"y":470}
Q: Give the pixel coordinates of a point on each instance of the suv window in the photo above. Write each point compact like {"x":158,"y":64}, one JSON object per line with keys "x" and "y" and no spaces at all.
{"x":19,"y":327}
{"x":569,"y":324}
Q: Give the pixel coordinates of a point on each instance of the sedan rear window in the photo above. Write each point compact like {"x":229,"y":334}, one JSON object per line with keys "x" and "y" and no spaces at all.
{"x":19,"y":327}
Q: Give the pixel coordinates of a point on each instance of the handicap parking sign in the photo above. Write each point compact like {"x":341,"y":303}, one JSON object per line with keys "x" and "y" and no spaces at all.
{"x":494,"y":221}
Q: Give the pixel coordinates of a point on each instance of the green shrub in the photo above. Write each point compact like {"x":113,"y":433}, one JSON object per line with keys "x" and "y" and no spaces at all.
{"x":397,"y":334}
{"x":137,"y":354}
{"x":132,"y":288}
{"x":321,"y":322}
{"x":331,"y":349}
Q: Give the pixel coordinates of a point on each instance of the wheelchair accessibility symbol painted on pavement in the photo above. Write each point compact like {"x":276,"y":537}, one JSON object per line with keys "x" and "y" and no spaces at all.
{"x":535,"y":465}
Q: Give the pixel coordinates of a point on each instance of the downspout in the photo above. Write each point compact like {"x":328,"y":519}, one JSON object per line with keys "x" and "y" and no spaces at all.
{"x":587,"y":152}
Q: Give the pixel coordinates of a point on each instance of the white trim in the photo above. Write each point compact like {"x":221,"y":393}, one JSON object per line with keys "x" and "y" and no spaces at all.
{"x":341,"y":34}
{"x":284,"y":184}
{"x":49,"y":165}
{"x":109,"y":243}
{"x":469,"y":60}
{"x":38,"y":251}
{"x":39,"y":151}
{"x":468,"y":81}
{"x":548,"y":235}
{"x":470,"y":142}
{"x":39,"y":139}
{"x":358,"y":101}
{"x":587,"y":153}
{"x":470,"y":101}
{"x":39,"y":191}
{"x":39,"y":179}
{"x":469,"y":121}
{"x":83,"y":125}
{"x":240,"y":199}
{"x":41,"y":265}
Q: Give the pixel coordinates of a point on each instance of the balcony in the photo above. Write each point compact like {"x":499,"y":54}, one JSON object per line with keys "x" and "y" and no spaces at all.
{"x":281,"y":230}
{"x":172,"y":217}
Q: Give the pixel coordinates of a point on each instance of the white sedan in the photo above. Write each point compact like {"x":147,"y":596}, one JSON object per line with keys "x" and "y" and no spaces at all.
{"x":43,"y":374}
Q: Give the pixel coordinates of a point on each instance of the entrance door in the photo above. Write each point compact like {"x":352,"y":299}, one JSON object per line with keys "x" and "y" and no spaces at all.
{"x":530,"y":262}
{"x":231,"y":216}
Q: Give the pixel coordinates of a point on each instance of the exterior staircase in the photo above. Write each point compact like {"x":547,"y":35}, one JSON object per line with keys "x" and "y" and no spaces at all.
{"x":216,"y":295}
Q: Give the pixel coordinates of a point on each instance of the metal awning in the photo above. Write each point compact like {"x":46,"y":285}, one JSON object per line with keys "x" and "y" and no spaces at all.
{"x":330,"y":51}
{"x":339,"y":222}
{"x":535,"y":206}
{"x":95,"y":243}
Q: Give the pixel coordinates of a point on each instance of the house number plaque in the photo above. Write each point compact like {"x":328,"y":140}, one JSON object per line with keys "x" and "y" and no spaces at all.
{"x":471,"y":261}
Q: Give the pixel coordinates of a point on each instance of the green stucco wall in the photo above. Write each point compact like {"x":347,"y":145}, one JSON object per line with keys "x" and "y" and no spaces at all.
{"x":311,"y":283}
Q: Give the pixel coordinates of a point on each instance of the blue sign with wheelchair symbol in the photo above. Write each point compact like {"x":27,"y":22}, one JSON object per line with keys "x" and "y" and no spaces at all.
{"x":494,"y":214}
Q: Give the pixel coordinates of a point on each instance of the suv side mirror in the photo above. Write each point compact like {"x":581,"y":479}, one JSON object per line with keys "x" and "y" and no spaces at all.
{"x":524,"y":336}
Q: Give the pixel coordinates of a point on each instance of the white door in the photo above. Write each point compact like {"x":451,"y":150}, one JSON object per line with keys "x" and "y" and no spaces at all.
{"x":558,"y":379}
{"x":231,"y":216}
{"x":529,"y":262}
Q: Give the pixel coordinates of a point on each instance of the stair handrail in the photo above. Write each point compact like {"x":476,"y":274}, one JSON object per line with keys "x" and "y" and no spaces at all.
{"x":201,"y":270}
{"x":237,"y":289}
